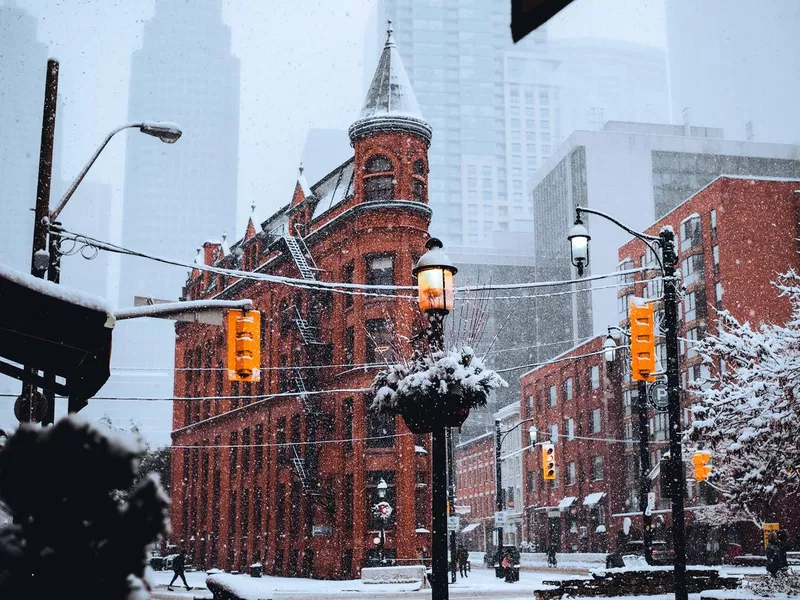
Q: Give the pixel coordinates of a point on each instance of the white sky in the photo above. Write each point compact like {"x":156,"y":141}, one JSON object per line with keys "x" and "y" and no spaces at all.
{"x":301,"y":67}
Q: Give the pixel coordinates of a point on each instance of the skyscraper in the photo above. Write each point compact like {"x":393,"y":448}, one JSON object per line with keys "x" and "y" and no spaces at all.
{"x":175,"y":195}
{"x":500,"y":109}
{"x":732,"y":64}
{"x":23,"y":61}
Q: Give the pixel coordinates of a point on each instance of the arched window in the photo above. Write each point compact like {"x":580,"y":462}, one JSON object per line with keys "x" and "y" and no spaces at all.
{"x":418,"y":181}
{"x":379,"y":179}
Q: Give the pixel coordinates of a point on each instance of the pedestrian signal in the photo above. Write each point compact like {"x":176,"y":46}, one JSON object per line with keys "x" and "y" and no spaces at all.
{"x":244,"y":345}
{"x":702,"y":469}
{"x":549,"y":461}
{"x":643,"y":342}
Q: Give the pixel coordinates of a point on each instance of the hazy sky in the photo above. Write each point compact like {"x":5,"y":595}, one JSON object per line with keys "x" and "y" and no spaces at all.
{"x":302,"y":66}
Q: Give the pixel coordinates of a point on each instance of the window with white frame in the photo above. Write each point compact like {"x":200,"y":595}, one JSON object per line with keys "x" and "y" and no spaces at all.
{"x":715,"y":253}
{"x":595,"y":377}
{"x":554,"y":433}
{"x":690,"y":306}
{"x":597,"y":468}
{"x":626,"y":265}
{"x":570,"y":429}
{"x":597,"y":422}
{"x":623,"y":306}
{"x":553,"y":395}
{"x":570,"y":473}
{"x":628,"y":433}
{"x":627,"y":402}
{"x":692,"y":269}
{"x":568,"y":389}
{"x":718,"y":293}
{"x":713,"y":222}
{"x":692,"y":337}
{"x":691,"y":232}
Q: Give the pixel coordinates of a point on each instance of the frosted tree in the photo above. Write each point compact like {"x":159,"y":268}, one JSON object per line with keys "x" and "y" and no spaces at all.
{"x":71,"y":536}
{"x":747,"y":413}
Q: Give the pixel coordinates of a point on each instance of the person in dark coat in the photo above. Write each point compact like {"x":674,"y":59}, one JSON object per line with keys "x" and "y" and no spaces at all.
{"x":552,"y":561}
{"x":178,"y":566}
{"x":463,"y":560}
{"x":776,"y":555}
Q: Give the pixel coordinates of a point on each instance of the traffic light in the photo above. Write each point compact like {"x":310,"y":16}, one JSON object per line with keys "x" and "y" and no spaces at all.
{"x":549,"y":461}
{"x":244,"y":345}
{"x":701,"y":467}
{"x":643,"y":342}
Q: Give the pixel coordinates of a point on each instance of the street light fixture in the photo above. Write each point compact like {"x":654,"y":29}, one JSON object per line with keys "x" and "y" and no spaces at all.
{"x":434,"y":272}
{"x":665,"y":241}
{"x":383,"y":511}
{"x":579,"y":245}
{"x":609,"y":349}
{"x":169,"y":133}
{"x":382,"y":489}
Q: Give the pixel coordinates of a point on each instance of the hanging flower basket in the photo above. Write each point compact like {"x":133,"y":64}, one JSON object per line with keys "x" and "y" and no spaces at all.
{"x":435,"y":390}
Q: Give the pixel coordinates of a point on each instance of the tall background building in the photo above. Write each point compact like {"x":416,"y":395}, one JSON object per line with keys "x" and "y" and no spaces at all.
{"x":500,"y":109}
{"x":23,"y":61}
{"x":732,"y":65}
{"x":174,"y":195}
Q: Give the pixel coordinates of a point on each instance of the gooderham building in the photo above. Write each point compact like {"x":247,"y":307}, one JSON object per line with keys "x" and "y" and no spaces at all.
{"x":284,"y":471}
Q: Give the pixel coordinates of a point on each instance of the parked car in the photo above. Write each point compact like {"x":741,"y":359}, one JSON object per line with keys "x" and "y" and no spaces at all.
{"x":633,"y":553}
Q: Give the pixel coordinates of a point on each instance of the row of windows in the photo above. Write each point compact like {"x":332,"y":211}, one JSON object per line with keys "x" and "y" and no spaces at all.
{"x":573,"y":473}
{"x":379,"y":180}
{"x":568,"y":390}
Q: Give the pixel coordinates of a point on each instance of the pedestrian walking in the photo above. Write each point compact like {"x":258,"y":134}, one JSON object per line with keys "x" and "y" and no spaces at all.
{"x":508,"y":567}
{"x":551,"y":556}
{"x":178,"y":566}
{"x":776,"y":555}
{"x":463,"y":560}
{"x":453,"y":566}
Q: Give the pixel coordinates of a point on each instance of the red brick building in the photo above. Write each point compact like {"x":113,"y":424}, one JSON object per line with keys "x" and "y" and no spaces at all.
{"x":284,"y":471}
{"x":576,"y":402}
{"x":475,"y":488}
{"x":733,"y":238}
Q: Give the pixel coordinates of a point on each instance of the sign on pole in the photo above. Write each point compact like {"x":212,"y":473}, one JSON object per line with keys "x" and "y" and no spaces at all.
{"x":658,"y":395}
{"x":499,"y":519}
{"x":453,"y":523}
{"x":769,"y":528}
{"x":462,"y":510}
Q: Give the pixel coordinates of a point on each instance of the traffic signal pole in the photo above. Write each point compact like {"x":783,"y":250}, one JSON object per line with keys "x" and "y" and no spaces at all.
{"x":667,"y":243}
{"x":644,"y":471}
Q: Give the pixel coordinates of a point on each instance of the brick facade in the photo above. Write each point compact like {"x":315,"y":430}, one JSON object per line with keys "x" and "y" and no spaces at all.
{"x":475,"y":487}
{"x":733,"y":238}
{"x":284,"y":471}
{"x":576,"y":403}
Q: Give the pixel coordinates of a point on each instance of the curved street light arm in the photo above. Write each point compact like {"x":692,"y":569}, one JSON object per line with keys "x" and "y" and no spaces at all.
{"x":505,"y":433}
{"x":71,"y":190}
{"x":645,"y":237}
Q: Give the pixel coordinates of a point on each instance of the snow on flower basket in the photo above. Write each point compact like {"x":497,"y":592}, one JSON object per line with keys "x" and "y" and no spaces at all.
{"x":434,"y":389}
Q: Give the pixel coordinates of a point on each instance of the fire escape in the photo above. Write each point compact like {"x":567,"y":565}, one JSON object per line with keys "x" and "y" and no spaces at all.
{"x":301,"y":256}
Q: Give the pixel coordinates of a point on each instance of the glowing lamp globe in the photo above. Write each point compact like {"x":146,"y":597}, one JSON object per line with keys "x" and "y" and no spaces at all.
{"x":434,"y":273}
{"x":579,"y":245}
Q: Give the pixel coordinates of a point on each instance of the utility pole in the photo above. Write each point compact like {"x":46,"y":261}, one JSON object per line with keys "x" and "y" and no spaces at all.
{"x":498,"y":480}
{"x":644,"y":471}
{"x":451,"y":497}
{"x":667,"y":243}
{"x":39,"y":259}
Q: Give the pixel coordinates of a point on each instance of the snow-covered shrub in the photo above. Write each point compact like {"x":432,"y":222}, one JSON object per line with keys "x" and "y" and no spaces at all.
{"x":784,"y":582}
{"x":747,"y":413}
{"x":72,"y":538}
{"x":427,"y":377}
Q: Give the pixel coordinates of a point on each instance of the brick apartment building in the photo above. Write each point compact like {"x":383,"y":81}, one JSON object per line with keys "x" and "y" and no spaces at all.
{"x":575,"y":402}
{"x":475,"y":488}
{"x":733,"y":238}
{"x":284,"y":471}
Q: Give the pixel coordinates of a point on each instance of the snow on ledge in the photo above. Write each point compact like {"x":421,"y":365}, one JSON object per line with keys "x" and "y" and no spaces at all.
{"x":403,"y":574}
{"x":48,"y":288}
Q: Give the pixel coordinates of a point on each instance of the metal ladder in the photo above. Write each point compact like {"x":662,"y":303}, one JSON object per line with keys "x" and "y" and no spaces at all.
{"x":310,"y":485}
{"x":307,"y":332}
{"x":306,"y":270}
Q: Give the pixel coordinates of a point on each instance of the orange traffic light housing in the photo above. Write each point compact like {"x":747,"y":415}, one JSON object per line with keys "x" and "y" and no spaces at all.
{"x":244,"y":345}
{"x":643,"y":342}
{"x":702,"y":469}
{"x":548,"y":461}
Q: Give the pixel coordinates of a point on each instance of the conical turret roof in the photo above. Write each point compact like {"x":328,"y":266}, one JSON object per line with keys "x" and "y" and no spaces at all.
{"x":390,"y":104}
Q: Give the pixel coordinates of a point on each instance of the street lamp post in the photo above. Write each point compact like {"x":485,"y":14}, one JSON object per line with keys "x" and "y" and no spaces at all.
{"x":46,"y":259}
{"x":383,"y":514}
{"x":579,"y":242}
{"x":434,"y":273}
{"x":610,"y":347}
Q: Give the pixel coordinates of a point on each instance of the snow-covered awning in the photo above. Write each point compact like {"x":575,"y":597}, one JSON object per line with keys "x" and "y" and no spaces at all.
{"x":593,"y":498}
{"x":566,"y":502}
{"x":600,"y":529}
{"x":470,"y":527}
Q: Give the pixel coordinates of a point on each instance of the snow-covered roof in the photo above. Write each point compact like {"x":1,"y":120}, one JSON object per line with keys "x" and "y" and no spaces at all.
{"x":334,"y":188}
{"x":566,"y":502}
{"x":54,"y":290}
{"x":471,"y":527}
{"x":303,"y":183}
{"x":593,"y":498}
{"x":390,"y":103}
